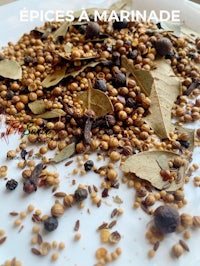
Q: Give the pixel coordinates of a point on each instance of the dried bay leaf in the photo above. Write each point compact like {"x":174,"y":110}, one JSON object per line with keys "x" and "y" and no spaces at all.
{"x":171,"y":26}
{"x":142,"y":77}
{"x":10,"y":69}
{"x":65,"y":153}
{"x":52,"y":114}
{"x":145,"y":166}
{"x":97,"y":101}
{"x":163,"y":95}
{"x":54,"y":78}
{"x":37,"y":107}
{"x":61,"y":31}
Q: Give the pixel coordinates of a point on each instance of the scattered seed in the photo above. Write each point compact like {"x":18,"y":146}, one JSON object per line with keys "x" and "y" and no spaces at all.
{"x":61,"y":245}
{"x":39,"y":239}
{"x":54,"y":256}
{"x":115,"y":237}
{"x":77,"y":225}
{"x":60,"y":194}
{"x":177,"y":250}
{"x":184,"y":245}
{"x":45,"y":248}
{"x":35,"y":251}
{"x":21,"y":228}
{"x":102,"y":226}
{"x":114,"y":212}
{"x":104,"y":193}
{"x":13,"y":213}
{"x":35,"y":229}
{"x":68,"y":163}
{"x":101,"y":253}
{"x":2,"y":232}
{"x":151,"y":253}
{"x":2,"y":240}
{"x":77,"y":236}
{"x":112,"y":224}
{"x":105,"y":235}
{"x":156,"y":246}
{"x":99,"y":203}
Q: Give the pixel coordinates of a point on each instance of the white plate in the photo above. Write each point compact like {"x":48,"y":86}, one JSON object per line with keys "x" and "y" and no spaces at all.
{"x":132,"y":225}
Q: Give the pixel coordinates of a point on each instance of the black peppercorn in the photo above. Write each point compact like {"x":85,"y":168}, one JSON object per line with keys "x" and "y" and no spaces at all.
{"x":118,"y":25}
{"x":80,"y":194}
{"x":116,"y":58}
{"x":130,"y":102}
{"x":82,"y":29}
{"x":100,"y":84}
{"x":9,"y":95}
{"x":88,"y":165}
{"x":166,"y":219}
{"x":50,"y":224}
{"x":170,"y":55}
{"x":133,"y":54}
{"x":163,"y":46}
{"x":119,"y":79}
{"x":92,"y":30}
{"x":11,"y":184}
{"x":184,"y":143}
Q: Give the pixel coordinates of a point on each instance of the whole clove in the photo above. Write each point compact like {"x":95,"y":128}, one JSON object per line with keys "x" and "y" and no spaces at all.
{"x":87,"y":130}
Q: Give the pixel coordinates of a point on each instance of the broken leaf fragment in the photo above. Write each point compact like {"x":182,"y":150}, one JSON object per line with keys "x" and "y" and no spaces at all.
{"x":65,"y":153}
{"x":10,"y":69}
{"x":142,"y":77}
{"x":147,"y":165}
{"x":97,"y":101}
{"x":52,"y":114}
{"x":55,"y":77}
{"x":37,"y":107}
{"x":163,"y":95}
{"x":61,"y":31}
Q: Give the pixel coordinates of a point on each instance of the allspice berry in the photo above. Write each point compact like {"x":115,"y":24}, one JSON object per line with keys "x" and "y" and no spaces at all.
{"x":92,"y":30}
{"x":163,"y":46}
{"x":166,"y":219}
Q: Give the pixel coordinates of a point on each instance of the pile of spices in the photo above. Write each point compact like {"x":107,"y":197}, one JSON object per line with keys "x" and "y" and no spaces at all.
{"x":110,"y":88}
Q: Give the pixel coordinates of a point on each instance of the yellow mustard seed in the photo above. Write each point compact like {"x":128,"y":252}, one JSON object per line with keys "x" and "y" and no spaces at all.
{"x":54,"y":256}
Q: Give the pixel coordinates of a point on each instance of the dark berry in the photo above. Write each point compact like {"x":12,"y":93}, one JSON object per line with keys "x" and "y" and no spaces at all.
{"x":118,"y":25}
{"x":92,"y":30}
{"x":170,"y":55}
{"x":130,"y":102}
{"x":119,"y":79}
{"x":163,"y":46}
{"x":184,"y":143}
{"x":133,"y":54}
{"x":116,"y":58}
{"x":88,"y":165}
{"x":166,"y":219}
{"x":80,"y":194}
{"x":50,"y":224}
{"x":11,"y":184}
{"x":82,"y":29}
{"x":100,"y":84}
{"x":23,"y":154}
{"x":9,"y":95}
